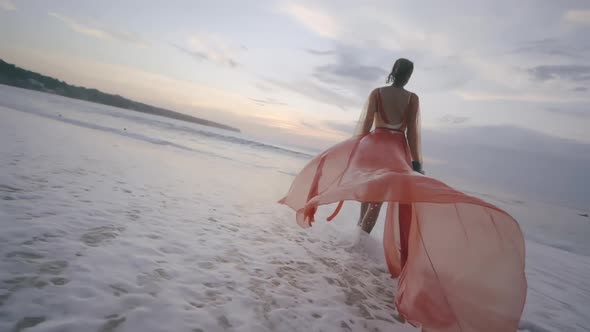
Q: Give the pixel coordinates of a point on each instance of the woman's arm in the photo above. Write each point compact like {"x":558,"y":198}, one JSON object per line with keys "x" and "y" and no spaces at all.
{"x":370,"y":116}
{"x":413,"y":129}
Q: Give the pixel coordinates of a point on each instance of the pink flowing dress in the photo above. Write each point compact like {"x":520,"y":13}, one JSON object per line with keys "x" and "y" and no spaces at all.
{"x":459,"y":260}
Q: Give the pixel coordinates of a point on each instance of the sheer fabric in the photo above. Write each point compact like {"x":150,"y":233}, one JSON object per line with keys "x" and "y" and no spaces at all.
{"x":413,"y":129}
{"x":459,"y":260}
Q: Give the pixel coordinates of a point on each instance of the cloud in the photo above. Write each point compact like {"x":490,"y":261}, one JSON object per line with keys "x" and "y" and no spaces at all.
{"x":518,"y":97}
{"x":93,"y":30}
{"x":318,"y":93}
{"x":348,"y":75}
{"x":375,"y":25}
{"x":453,"y":119}
{"x":320,"y":52}
{"x":308,"y":125}
{"x":565,"y":72}
{"x":580,"y":89}
{"x":348,"y":68}
{"x":578,"y":16}
{"x":337,"y":129}
{"x":205,"y":56}
{"x":7,"y":5}
{"x":211,"y":48}
{"x":346,"y":128}
{"x":358,"y":70}
{"x":263,"y":87}
{"x":579,"y":112}
{"x":313,"y":19}
{"x":266,"y":102}
{"x":371,"y":35}
{"x":449,"y":56}
{"x":552,"y":47}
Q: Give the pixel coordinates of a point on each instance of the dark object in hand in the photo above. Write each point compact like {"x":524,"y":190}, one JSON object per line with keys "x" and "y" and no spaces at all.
{"x":417,"y":166}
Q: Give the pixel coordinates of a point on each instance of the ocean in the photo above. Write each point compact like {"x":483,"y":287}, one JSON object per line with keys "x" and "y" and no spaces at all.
{"x":114,"y":220}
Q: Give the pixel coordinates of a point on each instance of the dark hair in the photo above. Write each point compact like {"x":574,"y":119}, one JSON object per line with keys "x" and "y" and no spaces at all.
{"x":401,"y":72}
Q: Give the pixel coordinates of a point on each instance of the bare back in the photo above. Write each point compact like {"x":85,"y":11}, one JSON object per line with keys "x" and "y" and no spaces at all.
{"x":401,"y":112}
{"x":395,"y":103}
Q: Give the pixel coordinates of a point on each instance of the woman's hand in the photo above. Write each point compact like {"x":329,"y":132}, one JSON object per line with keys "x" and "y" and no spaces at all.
{"x":413,"y":128}
{"x":417,"y":166}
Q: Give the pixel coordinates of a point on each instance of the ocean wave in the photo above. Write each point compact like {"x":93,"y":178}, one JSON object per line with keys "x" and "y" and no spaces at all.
{"x":45,"y":109}
{"x":229,"y":138}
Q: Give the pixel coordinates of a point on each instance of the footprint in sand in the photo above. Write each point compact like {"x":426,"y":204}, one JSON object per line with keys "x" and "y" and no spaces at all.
{"x":206,"y":265}
{"x":172,"y":249}
{"x":306,"y":267}
{"x":118,"y":289}
{"x":152,"y":279}
{"x":228,"y":228}
{"x":24,"y":255}
{"x":224,"y":322}
{"x":27,"y":322}
{"x":112,"y":323}
{"x":134,"y":214}
{"x":197,"y":305}
{"x":17,"y":283}
{"x":8,"y":189}
{"x":96,"y":236}
{"x":220,"y":284}
{"x":53,"y":267}
{"x":45,"y":237}
{"x":344,"y":326}
{"x":59,"y":281}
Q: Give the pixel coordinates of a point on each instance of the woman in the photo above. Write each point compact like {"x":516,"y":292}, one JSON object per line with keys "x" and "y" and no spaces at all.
{"x":459,"y":260}
{"x":399,"y":114}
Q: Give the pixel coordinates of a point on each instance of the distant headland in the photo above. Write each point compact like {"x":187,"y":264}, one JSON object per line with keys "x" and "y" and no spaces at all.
{"x":22,"y":78}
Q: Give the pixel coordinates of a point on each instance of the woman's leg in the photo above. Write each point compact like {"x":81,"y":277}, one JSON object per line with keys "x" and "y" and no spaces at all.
{"x":364,"y":207}
{"x":405,"y":221}
{"x":370,"y":216}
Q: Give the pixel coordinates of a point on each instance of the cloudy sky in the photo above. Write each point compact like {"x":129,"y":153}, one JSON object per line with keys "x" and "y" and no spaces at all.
{"x":298,"y":72}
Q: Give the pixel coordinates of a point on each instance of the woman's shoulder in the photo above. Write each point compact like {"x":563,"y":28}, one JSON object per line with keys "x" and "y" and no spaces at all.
{"x":388,"y":87}
{"x":378,"y":89}
{"x":411,"y":93}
